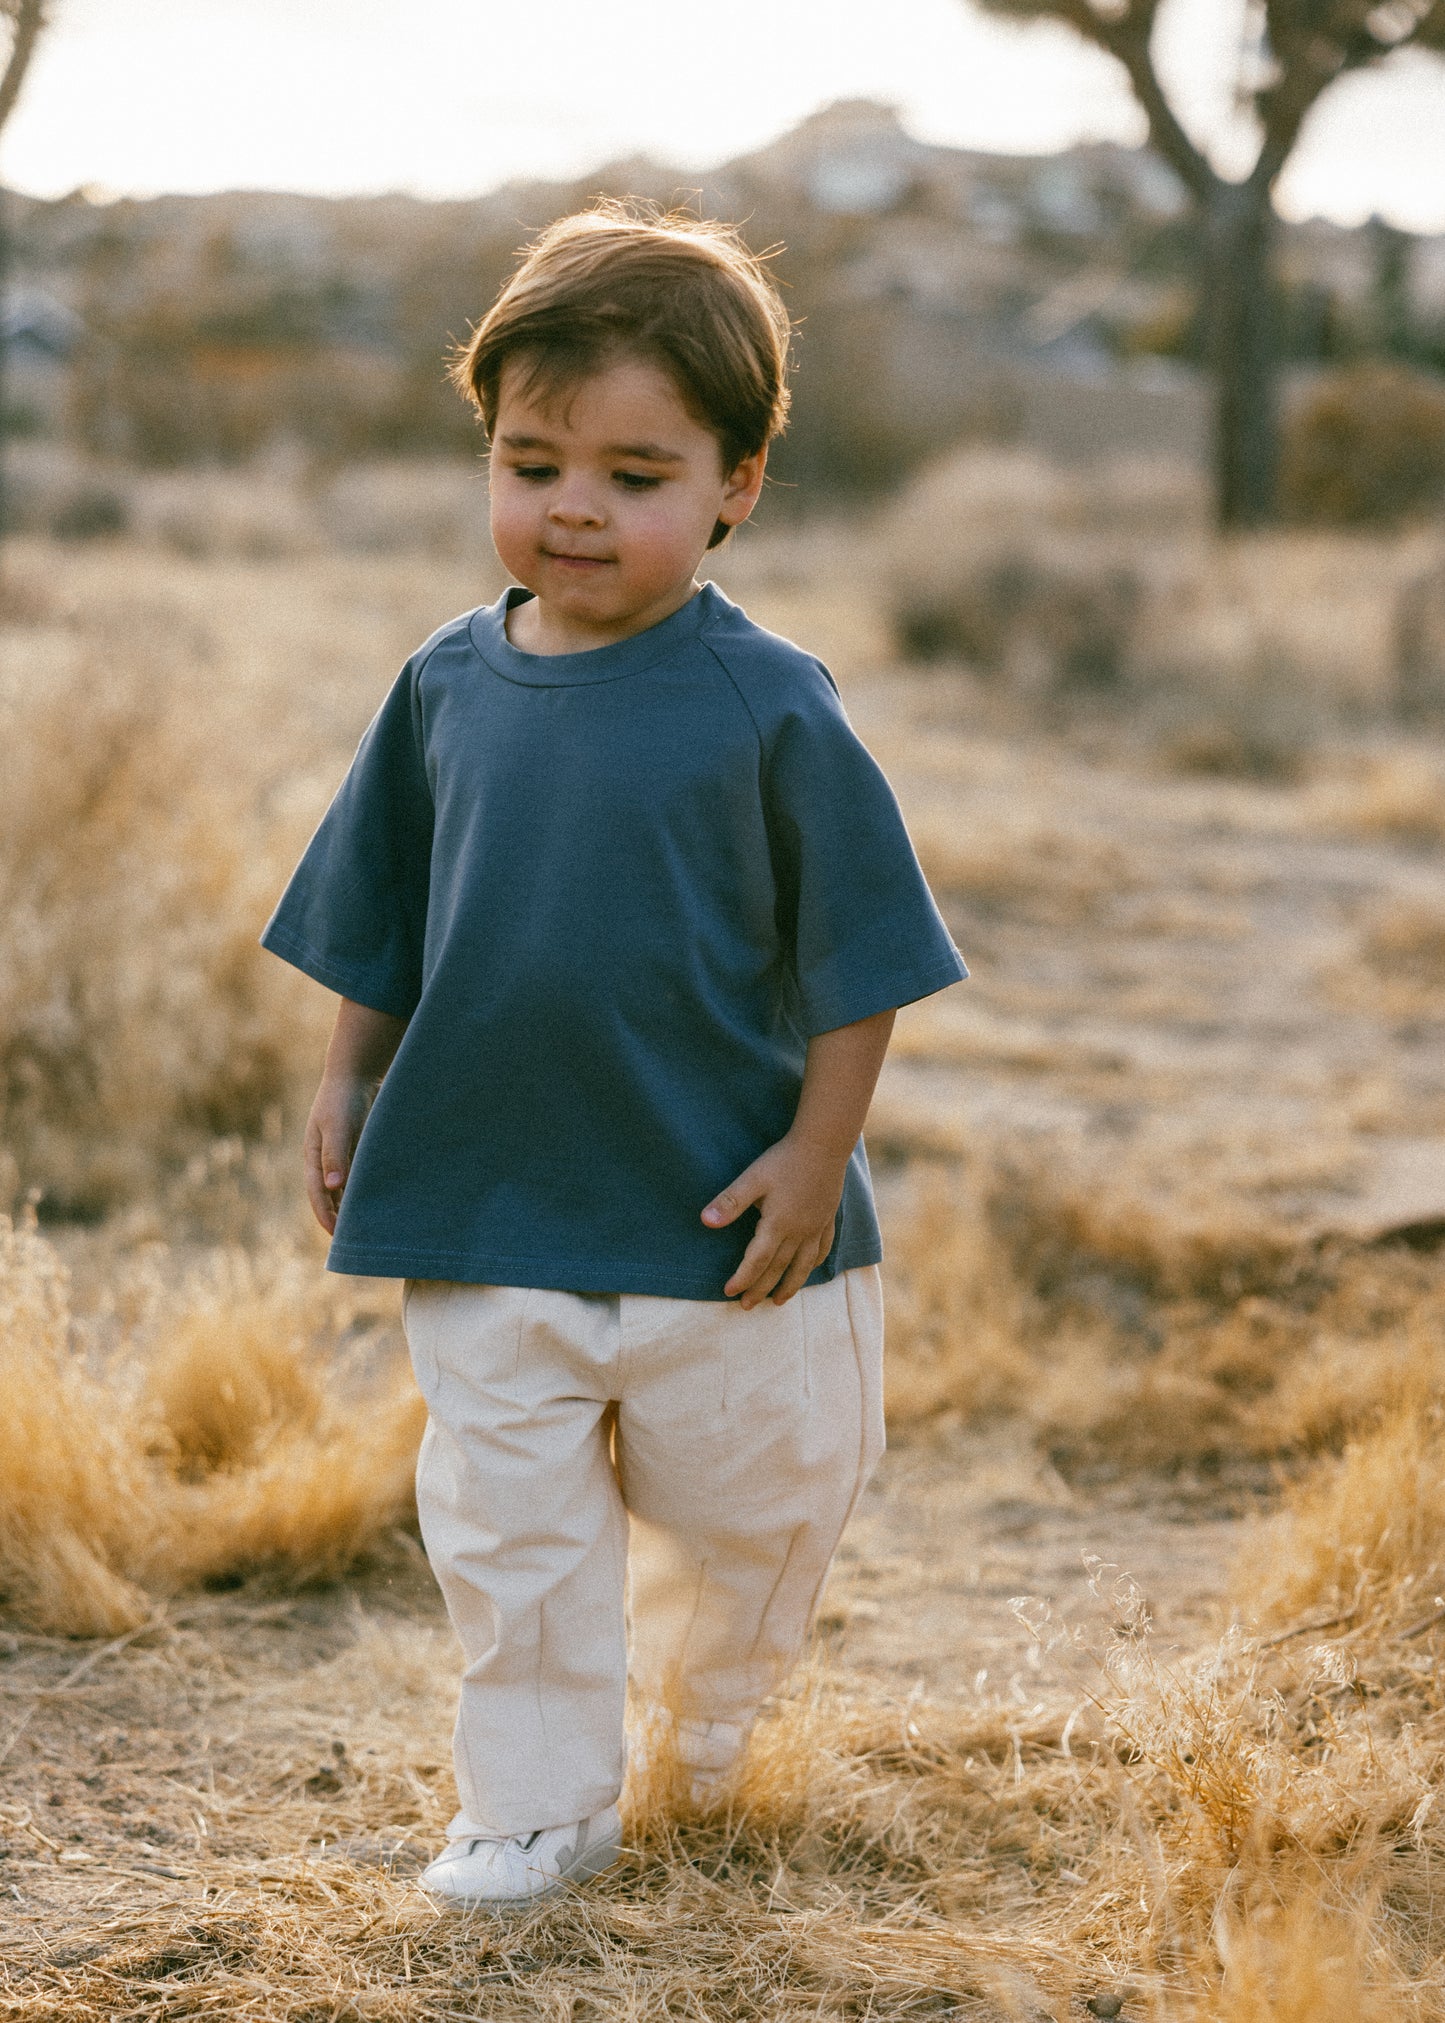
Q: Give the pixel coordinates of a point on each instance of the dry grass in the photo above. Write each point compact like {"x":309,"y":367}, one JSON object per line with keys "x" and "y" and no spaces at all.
{"x":205,"y":1458}
{"x":1030,"y":871}
{"x":1362,"y":1538}
{"x":1222,"y":1837}
{"x":1396,"y":969}
{"x":1116,"y":1328}
{"x":1072,"y":588}
{"x":1398,"y":797}
{"x":170,"y":732}
{"x":134,"y":1022}
{"x":217,"y":1441}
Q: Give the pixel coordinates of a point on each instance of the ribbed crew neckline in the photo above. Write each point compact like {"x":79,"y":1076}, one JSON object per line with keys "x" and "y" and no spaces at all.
{"x":488,"y":632}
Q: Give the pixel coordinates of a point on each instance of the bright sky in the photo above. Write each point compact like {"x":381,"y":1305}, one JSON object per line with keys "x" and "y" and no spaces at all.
{"x":451,"y":97}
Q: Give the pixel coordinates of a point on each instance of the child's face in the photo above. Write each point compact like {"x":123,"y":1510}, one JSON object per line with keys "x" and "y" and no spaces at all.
{"x":604,"y":498}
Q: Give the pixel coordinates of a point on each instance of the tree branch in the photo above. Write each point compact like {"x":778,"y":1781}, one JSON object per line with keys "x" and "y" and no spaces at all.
{"x":1131,"y":45}
{"x":1314,"y":44}
{"x":1431,"y":32}
{"x":1310,"y":43}
{"x":29,"y":19}
{"x":1125,"y":33}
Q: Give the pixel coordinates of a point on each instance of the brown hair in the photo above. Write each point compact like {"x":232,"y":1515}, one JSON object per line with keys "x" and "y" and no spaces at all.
{"x":629,"y":277}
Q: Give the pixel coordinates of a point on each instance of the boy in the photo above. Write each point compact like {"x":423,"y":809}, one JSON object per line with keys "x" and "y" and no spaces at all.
{"x":620,"y":910}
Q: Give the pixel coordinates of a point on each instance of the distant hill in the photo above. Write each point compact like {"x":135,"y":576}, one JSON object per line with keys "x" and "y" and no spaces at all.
{"x":939,"y":293}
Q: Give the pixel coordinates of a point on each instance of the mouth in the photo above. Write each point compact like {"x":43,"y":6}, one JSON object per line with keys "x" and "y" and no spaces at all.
{"x":578,"y":562}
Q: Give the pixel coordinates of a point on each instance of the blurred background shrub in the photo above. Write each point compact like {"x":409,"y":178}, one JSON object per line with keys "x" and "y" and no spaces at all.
{"x":1366,"y":447}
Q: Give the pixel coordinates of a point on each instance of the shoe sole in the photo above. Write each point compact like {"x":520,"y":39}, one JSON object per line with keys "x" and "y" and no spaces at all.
{"x":591,"y":1862}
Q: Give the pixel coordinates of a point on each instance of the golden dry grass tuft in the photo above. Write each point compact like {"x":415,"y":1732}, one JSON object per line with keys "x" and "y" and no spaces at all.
{"x":1397,"y":969}
{"x":73,"y":1508}
{"x":1398,"y":797}
{"x":1302,"y":1962}
{"x":221,"y":1441}
{"x":1362,"y":1538}
{"x":1118,"y":1329}
{"x":136,"y":1021}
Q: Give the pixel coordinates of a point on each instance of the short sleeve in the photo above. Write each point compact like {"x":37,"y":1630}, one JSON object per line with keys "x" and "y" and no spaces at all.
{"x":864,"y":931}
{"x":354,"y":913}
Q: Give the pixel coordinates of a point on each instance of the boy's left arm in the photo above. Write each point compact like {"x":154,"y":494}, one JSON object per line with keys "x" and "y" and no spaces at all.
{"x":797,"y":1184}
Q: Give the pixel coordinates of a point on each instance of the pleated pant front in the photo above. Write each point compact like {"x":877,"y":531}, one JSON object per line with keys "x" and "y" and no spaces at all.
{"x":591,"y":1459}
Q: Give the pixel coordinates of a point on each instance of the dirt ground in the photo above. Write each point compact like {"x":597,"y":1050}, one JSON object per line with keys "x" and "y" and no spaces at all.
{"x":1179,"y":977}
{"x":220,"y":1753}
{"x":1214,"y":984}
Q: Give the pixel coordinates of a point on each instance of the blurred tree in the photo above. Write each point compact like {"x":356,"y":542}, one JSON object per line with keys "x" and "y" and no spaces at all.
{"x":1290,"y":53}
{"x":20,"y":24}
{"x":1391,"y":304}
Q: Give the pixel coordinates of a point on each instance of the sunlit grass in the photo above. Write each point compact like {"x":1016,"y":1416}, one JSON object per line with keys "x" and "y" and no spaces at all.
{"x":205,"y":1447}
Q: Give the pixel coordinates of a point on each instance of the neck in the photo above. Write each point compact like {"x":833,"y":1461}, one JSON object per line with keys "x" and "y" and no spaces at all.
{"x":535,"y":627}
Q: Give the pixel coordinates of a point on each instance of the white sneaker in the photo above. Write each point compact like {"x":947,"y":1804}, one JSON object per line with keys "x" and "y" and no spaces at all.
{"x":703,"y":1754}
{"x":494,"y":1872}
{"x":707,"y":1751}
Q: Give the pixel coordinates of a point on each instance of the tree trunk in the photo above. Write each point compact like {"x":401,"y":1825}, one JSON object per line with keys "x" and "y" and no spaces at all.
{"x":1243,"y":333}
{"x":4,"y":346}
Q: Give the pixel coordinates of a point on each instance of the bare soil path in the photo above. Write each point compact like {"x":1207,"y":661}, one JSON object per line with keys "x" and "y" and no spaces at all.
{"x":200,"y":1763}
{"x":1222,"y":986}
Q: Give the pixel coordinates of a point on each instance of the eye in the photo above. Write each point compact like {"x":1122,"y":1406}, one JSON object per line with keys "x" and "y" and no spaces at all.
{"x":636,"y":481}
{"x":534,"y":473}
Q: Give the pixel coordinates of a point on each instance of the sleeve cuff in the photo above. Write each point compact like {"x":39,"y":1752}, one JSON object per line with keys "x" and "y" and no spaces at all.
{"x":847,"y":1000}
{"x":354,"y":983}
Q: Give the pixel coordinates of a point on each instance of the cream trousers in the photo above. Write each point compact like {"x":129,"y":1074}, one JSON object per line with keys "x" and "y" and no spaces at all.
{"x":597,"y":1458}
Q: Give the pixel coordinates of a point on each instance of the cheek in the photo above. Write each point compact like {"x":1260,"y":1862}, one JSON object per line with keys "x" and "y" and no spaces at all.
{"x":669,"y":530}
{"x":511,"y":520}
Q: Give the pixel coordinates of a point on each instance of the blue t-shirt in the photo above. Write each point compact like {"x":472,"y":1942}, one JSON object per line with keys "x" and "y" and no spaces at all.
{"x":614,"y":893}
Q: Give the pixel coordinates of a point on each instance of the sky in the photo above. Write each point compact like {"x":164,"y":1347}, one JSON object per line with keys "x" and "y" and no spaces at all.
{"x":453,"y":97}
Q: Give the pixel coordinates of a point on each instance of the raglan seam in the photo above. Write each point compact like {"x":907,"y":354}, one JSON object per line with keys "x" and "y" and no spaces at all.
{"x":738,"y":690}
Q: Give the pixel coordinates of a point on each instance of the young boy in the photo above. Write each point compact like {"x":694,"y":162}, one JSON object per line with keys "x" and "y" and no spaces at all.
{"x":619,"y":910}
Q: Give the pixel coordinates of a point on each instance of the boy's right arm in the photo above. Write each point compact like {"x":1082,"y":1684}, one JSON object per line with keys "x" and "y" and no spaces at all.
{"x":363,"y":1045}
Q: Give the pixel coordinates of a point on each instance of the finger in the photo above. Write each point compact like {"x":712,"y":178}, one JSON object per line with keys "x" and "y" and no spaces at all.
{"x":322,"y":1206}
{"x":743,"y":1193}
{"x":755,"y":1261}
{"x":316,"y":1194}
{"x":804,"y":1264}
{"x":335,"y":1162}
{"x":767,"y":1280}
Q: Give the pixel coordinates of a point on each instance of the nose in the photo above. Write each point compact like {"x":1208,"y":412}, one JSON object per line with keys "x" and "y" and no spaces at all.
{"x":574,"y":504}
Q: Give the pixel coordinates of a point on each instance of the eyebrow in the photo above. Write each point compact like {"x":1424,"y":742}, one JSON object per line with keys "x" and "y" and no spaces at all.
{"x":648,"y":453}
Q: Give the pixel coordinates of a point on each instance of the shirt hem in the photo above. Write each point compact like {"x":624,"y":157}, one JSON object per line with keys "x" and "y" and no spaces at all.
{"x":590,"y":1274}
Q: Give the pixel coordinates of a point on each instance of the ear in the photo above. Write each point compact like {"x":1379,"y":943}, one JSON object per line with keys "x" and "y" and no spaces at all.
{"x":743,"y":488}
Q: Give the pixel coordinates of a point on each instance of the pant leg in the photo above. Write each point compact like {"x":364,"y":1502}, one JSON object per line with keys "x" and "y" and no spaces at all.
{"x":527,"y":1536}
{"x":743,"y":1442}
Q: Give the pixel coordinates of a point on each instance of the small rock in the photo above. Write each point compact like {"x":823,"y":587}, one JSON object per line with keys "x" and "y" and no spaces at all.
{"x":1105,"y":2006}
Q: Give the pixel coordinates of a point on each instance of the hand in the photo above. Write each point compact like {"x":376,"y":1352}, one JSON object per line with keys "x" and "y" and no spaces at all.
{"x":797,"y":1188}
{"x":332,"y":1129}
